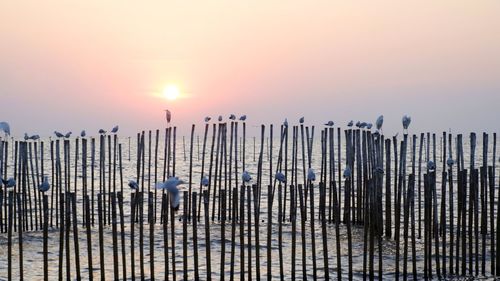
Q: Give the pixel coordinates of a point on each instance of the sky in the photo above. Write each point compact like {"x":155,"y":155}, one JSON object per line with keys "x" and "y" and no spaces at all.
{"x":72,"y":65}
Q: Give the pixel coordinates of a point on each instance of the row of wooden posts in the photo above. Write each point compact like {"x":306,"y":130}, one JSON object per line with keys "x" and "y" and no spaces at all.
{"x":390,"y":195}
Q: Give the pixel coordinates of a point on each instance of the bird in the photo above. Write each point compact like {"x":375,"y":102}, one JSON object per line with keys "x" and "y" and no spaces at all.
{"x":26,"y":137}
{"x":68,"y":134}
{"x":232,"y":117}
{"x":406,"y":122}
{"x":102,"y":131}
{"x":83,"y":134}
{"x":34,"y":137}
{"x":280,"y":177}
{"x":347,"y":172}
{"x":59,"y":135}
{"x":379,"y":122}
{"x":168,"y":115}
{"x":133,"y":185}
{"x":350,"y":123}
{"x":311,"y":176}
{"x":207,"y":119}
{"x":431,"y":166}
{"x":376,"y":133}
{"x":4,"y":126}
{"x":11,"y":182}
{"x":329,"y":123}
{"x":204,"y":181}
{"x":45,"y":185}
{"x":301,"y":120}
{"x":369,"y":126}
{"x":243,"y":118}
{"x":379,"y":170}
{"x":246,"y":177}
{"x":220,"y":118}
{"x":171,"y":186}
{"x":285,"y":124}
{"x":115,"y":129}
{"x":450,"y":162}
{"x":362,"y":125}
{"x":358,"y":124}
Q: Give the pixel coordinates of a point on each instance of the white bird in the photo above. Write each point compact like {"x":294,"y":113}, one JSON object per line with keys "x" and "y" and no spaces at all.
{"x":59,"y":135}
{"x":133,"y":185}
{"x":11,"y":182}
{"x":220,"y":118}
{"x":83,"y":134}
{"x":431,"y":166}
{"x":246,"y":177}
{"x":171,"y":186}
{"x":301,"y":120}
{"x":68,"y":134}
{"x":207,"y":119}
{"x":243,"y":118}
{"x":232,"y":117}
{"x":379,"y":122}
{"x":311,"y":176}
{"x":102,"y":131}
{"x":280,"y":177}
{"x":204,"y":181}
{"x":115,"y":129}
{"x":450,"y":162}
{"x":45,"y":185}
{"x":285,"y":124}
{"x":329,"y":123}
{"x":350,"y":123}
{"x":369,"y":126}
{"x":4,"y":126}
{"x":347,"y":172}
{"x":406,"y":122}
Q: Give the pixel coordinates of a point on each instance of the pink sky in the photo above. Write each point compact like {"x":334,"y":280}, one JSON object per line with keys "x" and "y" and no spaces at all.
{"x":72,"y":65}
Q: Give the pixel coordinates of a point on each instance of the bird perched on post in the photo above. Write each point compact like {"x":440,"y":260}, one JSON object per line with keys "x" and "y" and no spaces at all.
{"x":204,"y":181}
{"x":171,"y":187}
{"x":379,"y":122}
{"x":4,"y":126}
{"x":431,"y":166}
{"x":232,"y":117}
{"x":362,"y":125}
{"x":243,"y":118}
{"x":83,"y":134}
{"x":115,"y":129}
{"x":301,"y":120}
{"x":406,"y":122}
{"x":280,"y":177}
{"x":11,"y":182}
{"x":220,"y":118}
{"x":133,"y":185}
{"x":450,"y":162}
{"x":329,"y":123}
{"x":285,"y":124}
{"x":59,"y":135}
{"x":358,"y":124}
{"x":369,"y":126}
{"x":102,"y":131}
{"x":311,"y":176}
{"x":45,"y":185}
{"x":350,"y":123}
{"x":245,"y":176}
{"x":207,"y":119}
{"x":68,"y":134}
{"x":347,"y":172}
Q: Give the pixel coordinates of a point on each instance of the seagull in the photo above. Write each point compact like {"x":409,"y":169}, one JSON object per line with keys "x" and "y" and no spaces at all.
{"x":450,"y":162}
{"x":350,"y":123}
{"x":363,"y":125}
{"x":204,"y":181}
{"x":220,"y":118}
{"x":280,"y":177}
{"x":4,"y":126}
{"x":246,"y":177}
{"x":369,"y":126}
{"x":232,"y":117}
{"x":102,"y":132}
{"x":431,"y":166}
{"x":68,"y":134}
{"x":301,"y":120}
{"x":83,"y":134}
{"x":311,"y":176}
{"x":171,"y":186}
{"x":358,"y":124}
{"x":207,"y":119}
{"x":406,"y":122}
{"x":133,"y":185}
{"x":347,"y":172}
{"x":11,"y":182}
{"x":285,"y":124}
{"x":45,"y":185}
{"x":329,"y":123}
{"x":115,"y":129}
{"x":26,"y":137}
{"x":379,"y":122}
{"x":34,"y":137}
{"x":59,"y":135}
{"x":243,"y":118}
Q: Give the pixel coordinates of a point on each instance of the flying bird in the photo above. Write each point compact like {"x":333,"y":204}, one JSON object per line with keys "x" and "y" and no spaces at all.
{"x":115,"y":129}
{"x":246,"y":177}
{"x":204,"y":181}
{"x":59,"y":135}
{"x":171,"y":187}
{"x":45,"y":185}
{"x":350,"y":123}
{"x":4,"y":126}
{"x":280,"y":177}
{"x":379,"y":122}
{"x":311,"y":176}
{"x":207,"y":119}
{"x":347,"y":172}
{"x":232,"y":117}
{"x":301,"y":120}
{"x":133,"y":185}
{"x":83,"y":134}
{"x":329,"y":123}
{"x":243,"y":118}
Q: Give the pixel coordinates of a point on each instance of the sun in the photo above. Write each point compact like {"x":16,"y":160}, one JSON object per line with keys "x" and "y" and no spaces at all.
{"x":171,"y":92}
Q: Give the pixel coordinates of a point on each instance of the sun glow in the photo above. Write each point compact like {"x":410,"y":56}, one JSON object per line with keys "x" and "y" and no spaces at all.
{"x":171,"y":92}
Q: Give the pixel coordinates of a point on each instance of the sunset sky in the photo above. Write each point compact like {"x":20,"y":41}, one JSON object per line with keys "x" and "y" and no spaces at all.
{"x":72,"y":65}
